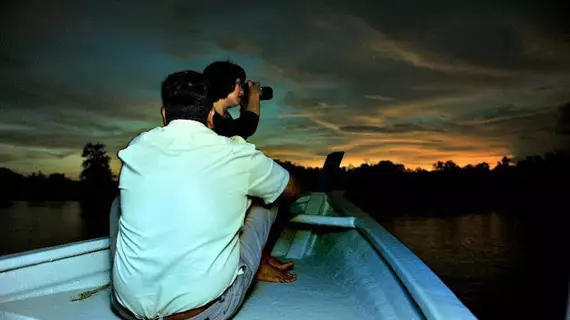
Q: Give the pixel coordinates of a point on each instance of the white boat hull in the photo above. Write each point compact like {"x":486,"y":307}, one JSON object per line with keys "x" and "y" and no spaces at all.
{"x":354,"y":270}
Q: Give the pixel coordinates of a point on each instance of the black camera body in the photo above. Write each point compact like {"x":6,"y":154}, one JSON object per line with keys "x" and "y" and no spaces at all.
{"x":266,"y":93}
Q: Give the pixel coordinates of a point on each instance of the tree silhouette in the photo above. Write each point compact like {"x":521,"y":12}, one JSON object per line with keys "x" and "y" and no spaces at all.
{"x":505,"y":162}
{"x":533,"y":180}
{"x":97,"y":180}
{"x":439,"y":166}
{"x":388,"y":167}
{"x":449,"y":165}
{"x":96,"y":166}
{"x":482,"y":167}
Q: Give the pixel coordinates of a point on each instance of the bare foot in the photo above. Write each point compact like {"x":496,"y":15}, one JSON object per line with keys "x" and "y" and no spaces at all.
{"x":276,"y":263}
{"x":268,"y":273}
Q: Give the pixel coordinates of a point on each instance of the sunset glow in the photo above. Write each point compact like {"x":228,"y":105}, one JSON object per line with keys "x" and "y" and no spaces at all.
{"x":376,"y":80}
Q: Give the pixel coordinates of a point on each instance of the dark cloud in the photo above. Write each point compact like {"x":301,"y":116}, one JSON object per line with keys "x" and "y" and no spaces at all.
{"x":564,"y":119}
{"x":396,"y":128}
{"x":563,"y":127}
{"x":487,"y":33}
{"x":7,"y":157}
{"x":505,"y":115}
{"x":472,"y":77}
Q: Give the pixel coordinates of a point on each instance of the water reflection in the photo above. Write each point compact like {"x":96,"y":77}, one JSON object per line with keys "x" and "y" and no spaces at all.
{"x":490,"y":260}
{"x":501,"y":265}
{"x":28,"y":225}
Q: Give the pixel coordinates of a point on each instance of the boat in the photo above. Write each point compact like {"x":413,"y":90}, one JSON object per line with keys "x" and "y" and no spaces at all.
{"x":348,"y":267}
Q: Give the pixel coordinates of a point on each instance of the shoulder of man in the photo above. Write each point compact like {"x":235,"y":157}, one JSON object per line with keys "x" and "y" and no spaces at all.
{"x":134,"y":145}
{"x":241,"y":147}
{"x":237,"y":140}
{"x":145,"y":134}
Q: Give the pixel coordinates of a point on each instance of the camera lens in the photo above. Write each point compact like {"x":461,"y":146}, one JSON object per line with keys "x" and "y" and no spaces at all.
{"x":266,"y":93}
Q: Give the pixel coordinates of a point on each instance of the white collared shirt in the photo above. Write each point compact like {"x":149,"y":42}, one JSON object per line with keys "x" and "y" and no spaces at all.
{"x":183,"y":192}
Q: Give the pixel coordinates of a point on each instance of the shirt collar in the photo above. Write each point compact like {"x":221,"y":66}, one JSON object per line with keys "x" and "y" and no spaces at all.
{"x":186,"y":126}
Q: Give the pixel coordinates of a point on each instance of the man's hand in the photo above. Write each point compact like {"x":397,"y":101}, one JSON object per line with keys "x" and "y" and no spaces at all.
{"x":292,"y":190}
{"x":253,"y":99}
{"x":254,"y":89}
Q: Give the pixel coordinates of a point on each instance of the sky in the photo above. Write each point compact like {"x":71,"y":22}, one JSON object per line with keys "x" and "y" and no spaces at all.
{"x":413,"y":82}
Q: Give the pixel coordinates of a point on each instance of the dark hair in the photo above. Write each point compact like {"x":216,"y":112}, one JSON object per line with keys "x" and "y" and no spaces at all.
{"x":222,"y":76}
{"x":185,"y":96}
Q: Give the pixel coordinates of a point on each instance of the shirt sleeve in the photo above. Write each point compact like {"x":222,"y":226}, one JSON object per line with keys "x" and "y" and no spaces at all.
{"x":244,"y":126}
{"x":267,"y":179}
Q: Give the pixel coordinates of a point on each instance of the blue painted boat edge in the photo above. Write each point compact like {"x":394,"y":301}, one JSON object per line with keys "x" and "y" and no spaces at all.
{"x":434,"y":298}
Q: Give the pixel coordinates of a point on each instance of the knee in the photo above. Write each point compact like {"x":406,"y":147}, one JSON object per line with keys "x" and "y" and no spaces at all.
{"x":259,"y":213}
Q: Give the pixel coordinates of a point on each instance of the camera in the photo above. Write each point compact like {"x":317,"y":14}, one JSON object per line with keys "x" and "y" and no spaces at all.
{"x":266,"y":93}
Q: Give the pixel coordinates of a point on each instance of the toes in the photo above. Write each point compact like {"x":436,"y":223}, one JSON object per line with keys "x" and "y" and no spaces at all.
{"x":283,"y":265}
{"x":289,"y":277}
{"x":282,"y":277}
{"x":287,"y":265}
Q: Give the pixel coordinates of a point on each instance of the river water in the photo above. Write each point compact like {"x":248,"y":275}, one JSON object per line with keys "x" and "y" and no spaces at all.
{"x":493,"y":261}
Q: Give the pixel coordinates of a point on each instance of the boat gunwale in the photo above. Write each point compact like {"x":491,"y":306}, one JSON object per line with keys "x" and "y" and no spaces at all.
{"x":434,"y":298}
{"x":429,"y":292}
{"x":34,"y":257}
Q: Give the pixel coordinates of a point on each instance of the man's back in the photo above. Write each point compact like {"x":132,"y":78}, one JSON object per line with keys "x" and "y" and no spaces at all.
{"x":183,"y":201}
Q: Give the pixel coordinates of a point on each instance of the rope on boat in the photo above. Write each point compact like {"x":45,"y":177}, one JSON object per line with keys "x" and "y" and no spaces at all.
{"x":87,"y":294}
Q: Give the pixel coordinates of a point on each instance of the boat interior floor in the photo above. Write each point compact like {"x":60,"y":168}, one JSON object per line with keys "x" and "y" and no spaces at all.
{"x":319,"y":293}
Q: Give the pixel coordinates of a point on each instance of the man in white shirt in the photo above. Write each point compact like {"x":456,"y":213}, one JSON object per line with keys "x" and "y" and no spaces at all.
{"x":185,"y":248}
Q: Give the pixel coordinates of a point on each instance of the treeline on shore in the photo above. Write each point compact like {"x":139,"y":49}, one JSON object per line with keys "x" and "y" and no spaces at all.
{"x":536,"y":180}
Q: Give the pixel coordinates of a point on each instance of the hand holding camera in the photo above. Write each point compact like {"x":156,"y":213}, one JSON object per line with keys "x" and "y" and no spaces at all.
{"x":252,"y":91}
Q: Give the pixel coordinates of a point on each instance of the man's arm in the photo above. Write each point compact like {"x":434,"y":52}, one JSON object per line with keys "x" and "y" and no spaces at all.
{"x":267,"y":180}
{"x":253,"y":100}
{"x":289,"y":195}
{"x":246,"y":125}
{"x":292,"y":190}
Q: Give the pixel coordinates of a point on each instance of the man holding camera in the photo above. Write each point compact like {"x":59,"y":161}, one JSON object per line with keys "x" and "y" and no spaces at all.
{"x":229,"y":89}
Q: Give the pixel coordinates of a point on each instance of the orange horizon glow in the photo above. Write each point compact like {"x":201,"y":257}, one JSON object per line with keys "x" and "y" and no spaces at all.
{"x":361,"y":150}
{"x":314,"y":161}
{"x":357,"y":161}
